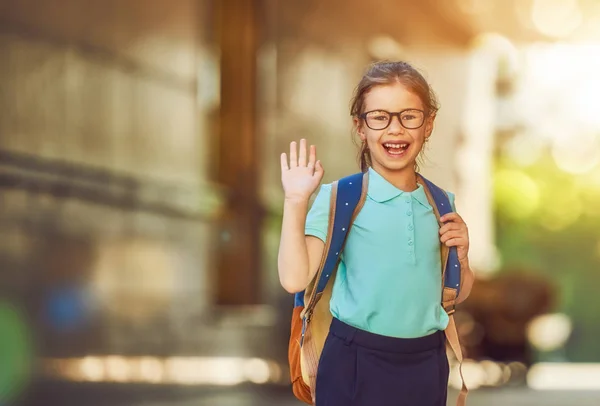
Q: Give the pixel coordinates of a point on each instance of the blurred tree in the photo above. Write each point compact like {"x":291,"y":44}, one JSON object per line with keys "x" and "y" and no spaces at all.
{"x":547,"y":221}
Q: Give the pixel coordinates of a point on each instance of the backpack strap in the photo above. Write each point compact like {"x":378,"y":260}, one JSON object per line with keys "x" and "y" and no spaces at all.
{"x":450,"y":265}
{"x":451,"y":277}
{"x":349,"y":194}
{"x":347,"y":198}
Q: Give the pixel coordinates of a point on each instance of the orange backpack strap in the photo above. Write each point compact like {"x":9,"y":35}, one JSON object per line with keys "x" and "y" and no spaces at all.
{"x":451,"y":278}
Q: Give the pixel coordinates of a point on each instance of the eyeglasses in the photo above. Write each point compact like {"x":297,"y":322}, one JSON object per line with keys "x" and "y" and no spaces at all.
{"x":411,"y":119}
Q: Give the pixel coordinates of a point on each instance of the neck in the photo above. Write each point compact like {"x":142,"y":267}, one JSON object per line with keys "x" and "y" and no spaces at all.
{"x":405,"y":180}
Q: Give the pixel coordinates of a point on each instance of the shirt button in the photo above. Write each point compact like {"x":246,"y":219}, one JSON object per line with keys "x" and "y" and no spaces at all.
{"x":410,"y":243}
{"x":409,"y":213}
{"x":411,"y":227}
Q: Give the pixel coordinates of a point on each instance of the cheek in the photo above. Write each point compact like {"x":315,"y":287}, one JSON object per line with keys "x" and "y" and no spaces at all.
{"x":419,"y":136}
{"x":371,"y":136}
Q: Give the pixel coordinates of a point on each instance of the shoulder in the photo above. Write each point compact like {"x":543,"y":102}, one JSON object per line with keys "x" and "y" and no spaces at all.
{"x":318,"y":216}
{"x":347,"y":186}
{"x":326,"y":188}
{"x":451,"y":198}
{"x":324,"y":192}
{"x":437,"y":190}
{"x":322,"y":198}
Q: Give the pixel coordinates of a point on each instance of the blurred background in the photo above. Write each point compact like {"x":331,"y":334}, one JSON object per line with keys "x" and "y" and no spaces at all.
{"x":140,"y":197}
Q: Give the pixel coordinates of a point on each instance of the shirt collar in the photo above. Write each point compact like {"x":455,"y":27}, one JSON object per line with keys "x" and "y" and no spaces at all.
{"x":380,"y":190}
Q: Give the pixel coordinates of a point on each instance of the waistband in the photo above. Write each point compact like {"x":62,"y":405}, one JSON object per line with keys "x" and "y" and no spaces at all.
{"x":385,"y":343}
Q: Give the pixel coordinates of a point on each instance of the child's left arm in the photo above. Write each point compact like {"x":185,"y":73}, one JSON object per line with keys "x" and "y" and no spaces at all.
{"x":454,"y":233}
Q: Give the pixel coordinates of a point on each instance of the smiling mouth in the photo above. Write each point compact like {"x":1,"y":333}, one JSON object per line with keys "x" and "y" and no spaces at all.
{"x":396,"y":148}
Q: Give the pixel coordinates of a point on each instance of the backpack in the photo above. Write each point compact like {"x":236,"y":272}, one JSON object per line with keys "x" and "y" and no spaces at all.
{"x":311,"y":316}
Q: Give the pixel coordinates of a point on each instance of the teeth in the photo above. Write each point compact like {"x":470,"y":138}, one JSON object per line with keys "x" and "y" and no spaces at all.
{"x":396,"y":145}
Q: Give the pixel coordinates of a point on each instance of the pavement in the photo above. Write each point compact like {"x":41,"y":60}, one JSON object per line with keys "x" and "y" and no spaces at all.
{"x":71,"y":394}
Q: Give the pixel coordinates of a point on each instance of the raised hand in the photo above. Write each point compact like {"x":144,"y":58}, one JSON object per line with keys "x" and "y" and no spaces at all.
{"x":300,"y":178}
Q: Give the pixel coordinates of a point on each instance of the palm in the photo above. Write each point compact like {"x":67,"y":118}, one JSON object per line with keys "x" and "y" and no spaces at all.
{"x":302,"y":176}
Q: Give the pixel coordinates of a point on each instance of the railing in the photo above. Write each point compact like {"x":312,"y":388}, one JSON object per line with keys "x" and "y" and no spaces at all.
{"x":67,"y":180}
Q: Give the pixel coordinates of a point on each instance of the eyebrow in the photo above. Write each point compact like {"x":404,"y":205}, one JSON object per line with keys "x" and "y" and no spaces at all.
{"x":389,"y":111}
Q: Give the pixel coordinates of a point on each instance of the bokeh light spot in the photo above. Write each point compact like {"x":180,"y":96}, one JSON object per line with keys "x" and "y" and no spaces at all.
{"x":517,"y":195}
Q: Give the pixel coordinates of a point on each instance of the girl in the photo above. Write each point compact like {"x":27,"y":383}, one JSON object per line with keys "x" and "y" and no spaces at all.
{"x":386,"y":345}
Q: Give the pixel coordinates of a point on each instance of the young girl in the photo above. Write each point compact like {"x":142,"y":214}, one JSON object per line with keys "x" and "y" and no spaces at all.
{"x":386,"y":345}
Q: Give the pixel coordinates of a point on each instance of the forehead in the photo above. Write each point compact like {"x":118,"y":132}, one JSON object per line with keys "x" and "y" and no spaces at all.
{"x":393,"y":97}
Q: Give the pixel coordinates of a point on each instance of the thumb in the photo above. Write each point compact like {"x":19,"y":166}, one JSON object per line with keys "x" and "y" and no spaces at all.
{"x":319,"y":171}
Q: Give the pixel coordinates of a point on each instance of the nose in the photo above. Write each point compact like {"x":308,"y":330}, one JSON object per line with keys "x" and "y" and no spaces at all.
{"x":395,"y":126}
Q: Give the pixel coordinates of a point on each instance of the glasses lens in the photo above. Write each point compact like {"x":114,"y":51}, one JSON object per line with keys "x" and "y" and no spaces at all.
{"x":378,"y":120}
{"x":412,"y":119}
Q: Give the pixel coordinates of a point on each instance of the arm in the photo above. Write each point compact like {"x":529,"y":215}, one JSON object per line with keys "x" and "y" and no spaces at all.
{"x":467,"y":278}
{"x":299,"y":255}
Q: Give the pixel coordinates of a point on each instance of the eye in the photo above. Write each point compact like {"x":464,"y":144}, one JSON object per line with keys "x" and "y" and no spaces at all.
{"x":412,"y":115}
{"x":378,"y":116}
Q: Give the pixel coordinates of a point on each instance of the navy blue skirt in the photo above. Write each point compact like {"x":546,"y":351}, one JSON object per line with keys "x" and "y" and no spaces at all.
{"x":358,"y":368}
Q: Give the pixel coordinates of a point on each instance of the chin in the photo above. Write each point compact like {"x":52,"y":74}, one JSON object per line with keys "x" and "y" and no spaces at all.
{"x":391,"y":165}
{"x":396,"y":163}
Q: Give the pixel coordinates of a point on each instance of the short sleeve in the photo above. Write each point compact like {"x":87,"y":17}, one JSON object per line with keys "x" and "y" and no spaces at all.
{"x":452,"y":198}
{"x":317,"y":220}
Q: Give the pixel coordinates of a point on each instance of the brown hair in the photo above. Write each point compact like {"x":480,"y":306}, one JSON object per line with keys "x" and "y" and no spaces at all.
{"x":385,"y":73}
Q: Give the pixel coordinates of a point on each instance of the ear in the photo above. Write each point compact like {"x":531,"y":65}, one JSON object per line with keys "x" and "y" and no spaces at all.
{"x":358,"y":125}
{"x":429,"y":126}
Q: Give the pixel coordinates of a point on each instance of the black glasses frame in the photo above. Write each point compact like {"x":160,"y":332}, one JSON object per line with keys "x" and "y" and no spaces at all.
{"x":392,"y":115}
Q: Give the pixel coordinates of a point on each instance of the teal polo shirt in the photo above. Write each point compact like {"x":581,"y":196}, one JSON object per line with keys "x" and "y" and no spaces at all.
{"x":389,"y":278}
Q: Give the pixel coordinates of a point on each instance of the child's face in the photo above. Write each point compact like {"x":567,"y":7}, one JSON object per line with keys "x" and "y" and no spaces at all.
{"x":407,"y":142}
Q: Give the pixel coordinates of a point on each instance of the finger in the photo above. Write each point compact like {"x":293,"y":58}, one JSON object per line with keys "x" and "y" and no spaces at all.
{"x":455,"y":242}
{"x":451,"y":234}
{"x":312,"y":156}
{"x":302,"y":156}
{"x":451,"y":226}
{"x":284,"y":163}
{"x":319,"y":171}
{"x":293,"y":154}
{"x":451,"y":217}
